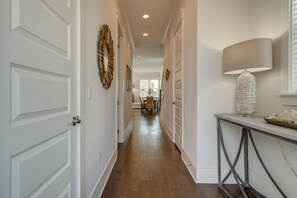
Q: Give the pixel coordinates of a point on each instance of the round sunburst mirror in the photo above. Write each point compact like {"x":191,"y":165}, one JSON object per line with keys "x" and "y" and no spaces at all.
{"x":105,"y":56}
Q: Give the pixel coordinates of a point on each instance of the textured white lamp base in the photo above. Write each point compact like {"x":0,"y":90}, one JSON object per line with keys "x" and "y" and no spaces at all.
{"x":245,"y":98}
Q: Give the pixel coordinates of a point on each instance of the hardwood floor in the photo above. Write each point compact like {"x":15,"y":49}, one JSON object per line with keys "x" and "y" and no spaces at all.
{"x":149,"y":165}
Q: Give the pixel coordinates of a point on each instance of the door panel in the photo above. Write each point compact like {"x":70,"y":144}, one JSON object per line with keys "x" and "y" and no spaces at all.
{"x":32,"y":92}
{"x":39,"y":94}
{"x":24,"y":166}
{"x":50,"y":28}
{"x":178,"y":80}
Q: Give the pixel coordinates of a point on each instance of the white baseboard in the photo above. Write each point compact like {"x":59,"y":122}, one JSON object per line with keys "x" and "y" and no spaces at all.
{"x":127,"y":132}
{"x":100,"y":184}
{"x":167,"y":129}
{"x":128,"y":129}
{"x":189,"y":164}
{"x":185,"y":157}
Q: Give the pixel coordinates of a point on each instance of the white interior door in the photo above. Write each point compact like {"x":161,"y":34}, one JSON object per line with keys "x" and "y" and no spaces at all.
{"x":39,"y":96}
{"x":177,"y":86}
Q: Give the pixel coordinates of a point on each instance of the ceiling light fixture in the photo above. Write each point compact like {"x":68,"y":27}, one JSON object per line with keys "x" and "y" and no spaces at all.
{"x":146,"y":16}
{"x":145,"y":34}
{"x":138,"y":56}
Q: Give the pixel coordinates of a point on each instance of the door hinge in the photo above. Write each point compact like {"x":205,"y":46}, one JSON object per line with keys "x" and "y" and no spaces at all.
{"x":118,"y":102}
{"x":118,"y":131}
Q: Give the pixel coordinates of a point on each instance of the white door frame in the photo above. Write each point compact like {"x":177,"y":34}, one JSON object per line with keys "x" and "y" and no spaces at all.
{"x":180,"y":23}
{"x":120,"y":83}
{"x":81,"y":146}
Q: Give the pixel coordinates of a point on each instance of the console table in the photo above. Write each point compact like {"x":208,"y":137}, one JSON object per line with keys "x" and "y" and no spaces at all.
{"x":248,"y":124}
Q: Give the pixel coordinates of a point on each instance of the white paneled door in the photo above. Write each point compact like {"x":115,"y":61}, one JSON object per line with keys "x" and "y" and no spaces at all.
{"x":38,"y":98}
{"x":177,"y":86}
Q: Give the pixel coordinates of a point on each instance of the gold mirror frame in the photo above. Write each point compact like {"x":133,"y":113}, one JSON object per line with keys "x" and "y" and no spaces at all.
{"x":105,"y":40}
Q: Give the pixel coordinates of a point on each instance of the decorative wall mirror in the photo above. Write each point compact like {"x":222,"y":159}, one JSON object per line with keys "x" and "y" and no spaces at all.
{"x":105,"y":56}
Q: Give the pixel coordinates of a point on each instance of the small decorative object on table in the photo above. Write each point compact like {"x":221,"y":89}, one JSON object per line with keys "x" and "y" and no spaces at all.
{"x":287,"y":119}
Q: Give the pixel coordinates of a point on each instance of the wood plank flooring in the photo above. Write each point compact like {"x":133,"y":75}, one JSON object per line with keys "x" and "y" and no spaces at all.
{"x":149,"y":165}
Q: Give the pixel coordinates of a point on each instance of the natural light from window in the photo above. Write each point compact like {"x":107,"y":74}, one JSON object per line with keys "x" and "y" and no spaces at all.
{"x":149,"y":88}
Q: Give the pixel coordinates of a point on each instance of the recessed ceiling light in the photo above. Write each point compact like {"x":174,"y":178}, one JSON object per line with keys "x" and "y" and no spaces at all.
{"x":146,"y":16}
{"x":145,"y":34}
{"x":138,"y":56}
{"x":137,"y":63}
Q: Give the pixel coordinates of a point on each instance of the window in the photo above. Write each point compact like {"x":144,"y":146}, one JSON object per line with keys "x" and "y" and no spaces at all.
{"x":293,"y":46}
{"x":149,"y":88}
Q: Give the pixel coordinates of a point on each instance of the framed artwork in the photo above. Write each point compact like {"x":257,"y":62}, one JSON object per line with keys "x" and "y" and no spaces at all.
{"x":128,"y":79}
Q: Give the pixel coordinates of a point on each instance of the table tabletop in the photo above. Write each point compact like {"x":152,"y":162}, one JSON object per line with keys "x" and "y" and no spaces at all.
{"x":258,"y":123}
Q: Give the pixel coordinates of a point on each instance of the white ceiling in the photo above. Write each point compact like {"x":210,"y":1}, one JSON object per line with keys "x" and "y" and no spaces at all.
{"x":150,"y":48}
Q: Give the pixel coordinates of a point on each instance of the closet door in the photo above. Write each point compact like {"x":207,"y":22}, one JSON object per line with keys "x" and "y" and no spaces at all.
{"x":177,"y":84}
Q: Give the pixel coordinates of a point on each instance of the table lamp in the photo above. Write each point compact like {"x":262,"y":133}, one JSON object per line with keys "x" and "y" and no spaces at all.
{"x":243,"y":58}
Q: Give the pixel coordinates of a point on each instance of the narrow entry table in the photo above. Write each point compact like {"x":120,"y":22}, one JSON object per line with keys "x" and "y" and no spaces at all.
{"x":256,"y":124}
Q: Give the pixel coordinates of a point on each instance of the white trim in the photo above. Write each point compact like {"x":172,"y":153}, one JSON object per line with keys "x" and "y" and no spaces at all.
{"x":182,"y":68}
{"x":189,"y":164}
{"x":120,"y":85}
{"x":81,"y":137}
{"x":289,"y":94}
{"x":127,"y":132}
{"x":129,"y":33}
{"x":116,"y":79}
{"x":100,"y":184}
{"x":172,"y":15}
{"x":289,"y":100}
{"x":180,"y":23}
{"x":129,"y":128}
{"x":168,"y":131}
{"x":166,"y":31}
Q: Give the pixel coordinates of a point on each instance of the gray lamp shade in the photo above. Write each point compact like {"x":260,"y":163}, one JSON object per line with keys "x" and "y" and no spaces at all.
{"x":252,"y":55}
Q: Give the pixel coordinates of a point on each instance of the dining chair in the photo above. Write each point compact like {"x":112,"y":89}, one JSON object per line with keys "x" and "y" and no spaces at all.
{"x":142,"y":104}
{"x":149,"y":103}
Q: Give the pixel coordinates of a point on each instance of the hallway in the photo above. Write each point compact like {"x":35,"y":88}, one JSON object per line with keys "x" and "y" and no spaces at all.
{"x":149,"y":165}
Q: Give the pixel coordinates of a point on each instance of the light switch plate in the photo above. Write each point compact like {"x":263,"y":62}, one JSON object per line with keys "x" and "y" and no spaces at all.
{"x":89,"y":92}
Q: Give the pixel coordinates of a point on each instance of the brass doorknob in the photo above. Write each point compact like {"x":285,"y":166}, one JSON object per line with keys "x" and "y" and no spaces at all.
{"x":75,"y":120}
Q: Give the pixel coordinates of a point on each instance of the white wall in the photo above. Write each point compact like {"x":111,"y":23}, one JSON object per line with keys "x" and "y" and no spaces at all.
{"x":204,"y":83}
{"x":270,"y":19}
{"x":166,"y":108}
{"x":100,"y":111}
{"x":227,"y":24}
{"x":233,"y":21}
{"x":189,"y":11}
{"x":189,"y":153}
{"x":221,"y":24}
